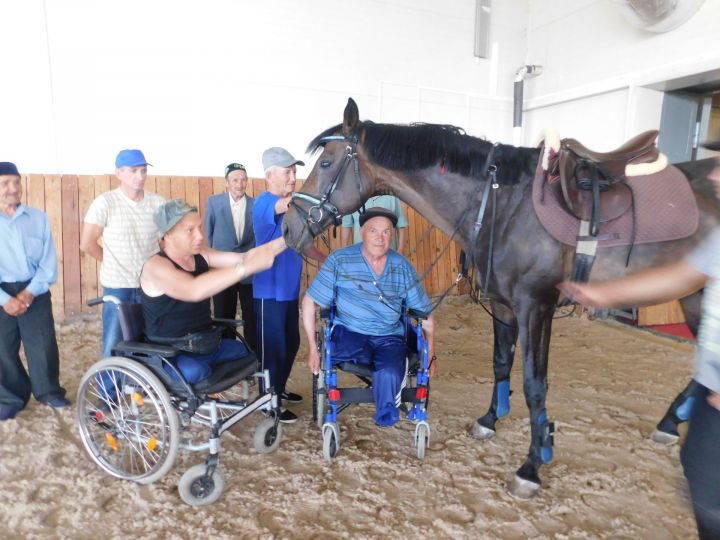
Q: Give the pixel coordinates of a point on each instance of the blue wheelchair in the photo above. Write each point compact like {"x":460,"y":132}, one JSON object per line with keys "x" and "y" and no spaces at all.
{"x":329,"y":400}
{"x":135,"y":410}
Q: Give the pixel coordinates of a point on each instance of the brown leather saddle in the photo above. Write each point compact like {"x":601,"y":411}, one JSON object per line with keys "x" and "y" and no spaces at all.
{"x":593,"y":184}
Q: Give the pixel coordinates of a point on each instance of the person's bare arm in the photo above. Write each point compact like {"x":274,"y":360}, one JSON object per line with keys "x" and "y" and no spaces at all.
{"x":346,"y":236}
{"x":309,"y":313}
{"x":224,"y":259}
{"x":401,"y":240}
{"x":89,"y":244}
{"x":651,"y":286}
{"x":282,"y":205}
{"x":428,"y":327}
{"x":159,"y":275}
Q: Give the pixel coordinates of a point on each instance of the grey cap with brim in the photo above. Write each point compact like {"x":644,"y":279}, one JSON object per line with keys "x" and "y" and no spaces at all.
{"x":170,"y":213}
{"x":278,"y":157}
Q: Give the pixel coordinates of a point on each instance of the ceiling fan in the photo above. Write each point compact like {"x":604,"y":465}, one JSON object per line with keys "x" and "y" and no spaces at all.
{"x":657,"y":15}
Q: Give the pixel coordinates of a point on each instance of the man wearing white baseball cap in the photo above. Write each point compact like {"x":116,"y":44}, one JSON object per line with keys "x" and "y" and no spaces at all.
{"x":276,"y":290}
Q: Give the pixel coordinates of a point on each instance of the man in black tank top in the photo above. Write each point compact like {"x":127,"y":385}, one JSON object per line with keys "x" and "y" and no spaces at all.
{"x":176,"y":284}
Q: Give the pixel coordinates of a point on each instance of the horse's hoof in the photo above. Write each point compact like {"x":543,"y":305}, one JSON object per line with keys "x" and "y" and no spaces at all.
{"x":481,"y":432}
{"x":664,"y":438}
{"x":522,"y":489}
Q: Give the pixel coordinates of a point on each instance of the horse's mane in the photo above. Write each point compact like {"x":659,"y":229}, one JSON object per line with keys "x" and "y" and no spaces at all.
{"x":419,"y":146}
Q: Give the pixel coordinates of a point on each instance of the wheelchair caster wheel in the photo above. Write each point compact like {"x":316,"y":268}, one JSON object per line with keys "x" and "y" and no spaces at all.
{"x":331,"y":441}
{"x":422,"y":439}
{"x":198,"y":490}
{"x":267,"y":436}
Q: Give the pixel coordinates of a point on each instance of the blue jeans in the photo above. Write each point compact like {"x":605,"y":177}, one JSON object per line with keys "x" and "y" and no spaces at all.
{"x":198,"y":367}
{"x":112,"y":333}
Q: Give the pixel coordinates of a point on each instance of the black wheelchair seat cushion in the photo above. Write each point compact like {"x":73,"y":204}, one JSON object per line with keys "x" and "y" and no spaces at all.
{"x":228,"y":374}
{"x":363,"y":370}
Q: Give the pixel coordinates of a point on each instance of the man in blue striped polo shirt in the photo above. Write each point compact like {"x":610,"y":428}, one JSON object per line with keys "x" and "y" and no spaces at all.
{"x":369,"y":283}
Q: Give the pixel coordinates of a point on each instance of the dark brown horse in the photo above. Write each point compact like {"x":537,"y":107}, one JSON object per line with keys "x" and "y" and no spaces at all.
{"x":443,"y":173}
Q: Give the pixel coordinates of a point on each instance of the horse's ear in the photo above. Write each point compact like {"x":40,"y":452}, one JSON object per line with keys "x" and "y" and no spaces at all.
{"x":351,"y":117}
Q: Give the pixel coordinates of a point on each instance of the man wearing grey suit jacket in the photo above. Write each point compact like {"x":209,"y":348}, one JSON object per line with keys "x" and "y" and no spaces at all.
{"x":229,"y":227}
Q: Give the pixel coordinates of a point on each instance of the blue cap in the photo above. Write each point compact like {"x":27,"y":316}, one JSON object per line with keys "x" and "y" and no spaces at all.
{"x":8,"y":168}
{"x":130,"y":158}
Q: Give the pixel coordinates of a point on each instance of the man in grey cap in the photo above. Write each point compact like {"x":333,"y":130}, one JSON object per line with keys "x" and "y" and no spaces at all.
{"x":277,"y":289}
{"x":176,"y":285}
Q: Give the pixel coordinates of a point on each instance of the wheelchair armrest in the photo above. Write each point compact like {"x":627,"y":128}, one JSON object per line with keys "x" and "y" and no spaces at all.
{"x":148,"y":348}
{"x":229,"y":322}
{"x":416,"y":314}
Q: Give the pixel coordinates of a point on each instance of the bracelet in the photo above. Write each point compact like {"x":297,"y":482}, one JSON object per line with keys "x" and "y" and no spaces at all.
{"x":240,"y":269}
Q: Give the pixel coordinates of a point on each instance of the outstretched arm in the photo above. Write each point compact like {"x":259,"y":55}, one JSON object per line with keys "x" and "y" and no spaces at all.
{"x":309,"y":313}
{"x":651,"y":286}
{"x":428,"y":326}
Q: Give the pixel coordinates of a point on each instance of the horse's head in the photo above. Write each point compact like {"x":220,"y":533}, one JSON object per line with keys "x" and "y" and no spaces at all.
{"x":337,"y":185}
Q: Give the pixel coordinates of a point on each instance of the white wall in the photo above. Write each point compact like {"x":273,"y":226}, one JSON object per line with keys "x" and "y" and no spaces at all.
{"x":597,"y":68}
{"x":197,"y":85}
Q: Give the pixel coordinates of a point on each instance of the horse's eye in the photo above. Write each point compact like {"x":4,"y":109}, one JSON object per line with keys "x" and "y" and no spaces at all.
{"x":325,"y":163}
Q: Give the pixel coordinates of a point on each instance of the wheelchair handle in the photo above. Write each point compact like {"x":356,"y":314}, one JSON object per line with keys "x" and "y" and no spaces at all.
{"x":102,"y":299}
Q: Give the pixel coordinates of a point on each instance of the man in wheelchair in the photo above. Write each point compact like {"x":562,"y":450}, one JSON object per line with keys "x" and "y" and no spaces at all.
{"x":369,"y":284}
{"x":176,"y":285}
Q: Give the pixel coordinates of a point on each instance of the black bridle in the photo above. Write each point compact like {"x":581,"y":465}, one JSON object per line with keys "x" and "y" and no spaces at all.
{"x":322,"y":206}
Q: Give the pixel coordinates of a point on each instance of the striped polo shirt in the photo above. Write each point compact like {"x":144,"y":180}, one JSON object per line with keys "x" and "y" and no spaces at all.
{"x":129,"y":235}
{"x":365,"y":302}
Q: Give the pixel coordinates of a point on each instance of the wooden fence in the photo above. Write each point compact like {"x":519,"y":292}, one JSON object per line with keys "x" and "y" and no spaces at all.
{"x":66,"y":199}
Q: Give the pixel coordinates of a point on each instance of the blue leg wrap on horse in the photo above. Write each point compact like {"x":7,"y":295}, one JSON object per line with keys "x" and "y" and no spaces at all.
{"x":542,"y":434}
{"x":684,"y":410}
{"x":502,"y":406}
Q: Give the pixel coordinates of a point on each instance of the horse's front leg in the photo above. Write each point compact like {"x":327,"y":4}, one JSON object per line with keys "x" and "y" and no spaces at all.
{"x":505,"y":331}
{"x":535,"y":321}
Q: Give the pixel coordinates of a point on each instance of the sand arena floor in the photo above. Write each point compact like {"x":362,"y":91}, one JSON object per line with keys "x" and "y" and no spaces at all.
{"x":608,"y":387}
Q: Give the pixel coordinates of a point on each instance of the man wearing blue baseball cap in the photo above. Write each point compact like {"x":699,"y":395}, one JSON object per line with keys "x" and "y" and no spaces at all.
{"x":123,"y":218}
{"x":28,"y":266}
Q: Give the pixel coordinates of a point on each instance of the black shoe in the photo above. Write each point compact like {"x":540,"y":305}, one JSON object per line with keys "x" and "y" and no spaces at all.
{"x":57,"y":402}
{"x":287,"y":417}
{"x":291,"y":397}
{"x":8,"y":412}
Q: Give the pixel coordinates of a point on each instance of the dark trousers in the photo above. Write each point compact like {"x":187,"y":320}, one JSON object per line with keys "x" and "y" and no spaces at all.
{"x":225,"y":307}
{"x":700,"y":457}
{"x":278,"y":338}
{"x":386,"y":356}
{"x":36,"y":329}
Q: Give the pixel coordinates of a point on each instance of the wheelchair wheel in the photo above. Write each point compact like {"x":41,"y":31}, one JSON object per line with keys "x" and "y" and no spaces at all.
{"x":422,"y":439}
{"x":318,"y":399}
{"x":267,"y":436}
{"x":331,"y":441}
{"x":126,"y":420}
{"x":198,"y":490}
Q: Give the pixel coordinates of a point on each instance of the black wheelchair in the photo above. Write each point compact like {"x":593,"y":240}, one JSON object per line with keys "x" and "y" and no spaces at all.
{"x":329,"y":400}
{"x":134,"y":417}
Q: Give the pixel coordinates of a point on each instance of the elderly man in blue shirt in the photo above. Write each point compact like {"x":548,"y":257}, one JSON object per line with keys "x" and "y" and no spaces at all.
{"x":369,"y":284}
{"x":28,"y":266}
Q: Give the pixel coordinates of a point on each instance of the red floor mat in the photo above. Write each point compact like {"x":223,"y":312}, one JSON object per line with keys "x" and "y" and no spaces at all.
{"x":679,"y":330}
